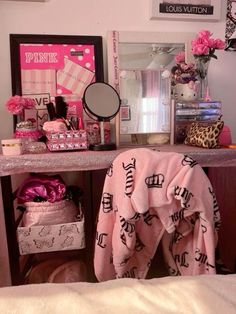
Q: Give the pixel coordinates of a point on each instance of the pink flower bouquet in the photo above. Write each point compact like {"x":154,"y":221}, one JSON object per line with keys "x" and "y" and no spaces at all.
{"x":16,"y":104}
{"x":204,"y":45}
{"x":183,"y":72}
{"x":203,"y":49}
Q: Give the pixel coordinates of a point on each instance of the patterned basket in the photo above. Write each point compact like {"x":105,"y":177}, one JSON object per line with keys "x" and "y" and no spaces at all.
{"x":47,"y":227}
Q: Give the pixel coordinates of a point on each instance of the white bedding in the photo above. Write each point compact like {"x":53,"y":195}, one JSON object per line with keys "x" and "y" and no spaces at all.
{"x":201,"y":294}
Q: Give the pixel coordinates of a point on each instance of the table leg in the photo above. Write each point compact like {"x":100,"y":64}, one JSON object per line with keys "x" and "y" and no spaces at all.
{"x":13,"y":250}
{"x":89,"y":221}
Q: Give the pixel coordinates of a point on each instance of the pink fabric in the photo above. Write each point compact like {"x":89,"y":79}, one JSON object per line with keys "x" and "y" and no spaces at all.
{"x":150,"y":196}
{"x":54,"y":126}
{"x":50,"y":188}
{"x":45,"y":213}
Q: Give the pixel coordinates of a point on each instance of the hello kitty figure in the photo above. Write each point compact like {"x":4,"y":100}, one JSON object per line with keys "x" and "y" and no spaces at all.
{"x":186,"y":92}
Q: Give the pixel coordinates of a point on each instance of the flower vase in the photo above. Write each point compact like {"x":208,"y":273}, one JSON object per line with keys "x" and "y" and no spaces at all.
{"x":202,"y":64}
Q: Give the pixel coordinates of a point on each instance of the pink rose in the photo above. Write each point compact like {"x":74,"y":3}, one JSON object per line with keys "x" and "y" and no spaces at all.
{"x":204,"y":34}
{"x":211,"y":43}
{"x":196,"y":42}
{"x":207,"y":41}
{"x":200,"y":50}
{"x":219,"y":44}
{"x":15,"y":104}
{"x":180,"y":57}
{"x":203,"y":44}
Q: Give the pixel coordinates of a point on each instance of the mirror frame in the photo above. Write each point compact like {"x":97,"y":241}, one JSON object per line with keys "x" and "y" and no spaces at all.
{"x":17,"y":39}
{"x":94,"y":115}
{"x":115,"y":37}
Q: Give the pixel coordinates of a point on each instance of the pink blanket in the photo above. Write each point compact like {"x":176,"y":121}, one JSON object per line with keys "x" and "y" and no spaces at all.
{"x":151,"y":197}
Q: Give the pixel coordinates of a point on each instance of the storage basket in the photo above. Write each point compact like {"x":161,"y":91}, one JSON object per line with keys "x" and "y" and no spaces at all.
{"x":48,"y":227}
{"x":49,"y":238}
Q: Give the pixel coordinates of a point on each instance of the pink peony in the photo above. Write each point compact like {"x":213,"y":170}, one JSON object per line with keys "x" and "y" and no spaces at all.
{"x":219,"y":44}
{"x":200,"y":49}
{"x":180,"y":57}
{"x":204,"y":33}
{"x":16,"y":104}
{"x":205,"y":45}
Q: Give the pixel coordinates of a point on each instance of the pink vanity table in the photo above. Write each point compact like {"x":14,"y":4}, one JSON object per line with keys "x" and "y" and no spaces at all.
{"x":87,"y":162}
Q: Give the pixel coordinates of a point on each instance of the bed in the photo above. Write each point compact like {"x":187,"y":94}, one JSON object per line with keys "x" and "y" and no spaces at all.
{"x":185,"y":294}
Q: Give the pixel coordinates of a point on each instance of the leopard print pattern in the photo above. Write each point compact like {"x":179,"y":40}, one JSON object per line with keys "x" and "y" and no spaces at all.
{"x":206,"y":136}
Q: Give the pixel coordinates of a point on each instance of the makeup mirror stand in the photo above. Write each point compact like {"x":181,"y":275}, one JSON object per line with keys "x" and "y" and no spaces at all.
{"x":101,"y":102}
{"x":102,"y":133}
{"x":102,"y":145}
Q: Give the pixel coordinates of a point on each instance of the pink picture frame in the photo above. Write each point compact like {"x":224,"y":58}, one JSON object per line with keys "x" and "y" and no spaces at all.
{"x":125,"y":113}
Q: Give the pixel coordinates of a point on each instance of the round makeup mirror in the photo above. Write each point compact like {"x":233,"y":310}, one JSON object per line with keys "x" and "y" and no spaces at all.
{"x":101,"y":102}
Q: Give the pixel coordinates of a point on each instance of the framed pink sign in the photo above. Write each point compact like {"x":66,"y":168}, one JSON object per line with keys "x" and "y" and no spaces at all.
{"x":46,"y":66}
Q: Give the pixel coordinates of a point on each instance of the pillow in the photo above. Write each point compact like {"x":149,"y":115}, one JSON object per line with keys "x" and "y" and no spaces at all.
{"x":204,"y":135}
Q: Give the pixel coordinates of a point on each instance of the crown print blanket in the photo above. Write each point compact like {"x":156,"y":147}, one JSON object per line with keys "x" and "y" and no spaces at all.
{"x":149,"y":198}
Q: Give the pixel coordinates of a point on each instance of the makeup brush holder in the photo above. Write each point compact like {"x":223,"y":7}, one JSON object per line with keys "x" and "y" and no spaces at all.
{"x":67,"y":141}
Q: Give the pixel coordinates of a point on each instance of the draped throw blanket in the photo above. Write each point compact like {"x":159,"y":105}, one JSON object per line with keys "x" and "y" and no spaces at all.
{"x":149,"y":197}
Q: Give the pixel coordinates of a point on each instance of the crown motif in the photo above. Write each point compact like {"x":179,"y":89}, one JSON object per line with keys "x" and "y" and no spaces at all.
{"x":155,"y":181}
{"x":189,"y":161}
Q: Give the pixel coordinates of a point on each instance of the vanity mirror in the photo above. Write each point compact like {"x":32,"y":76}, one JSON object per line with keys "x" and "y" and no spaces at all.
{"x":101,"y":102}
{"x":139,"y":65}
